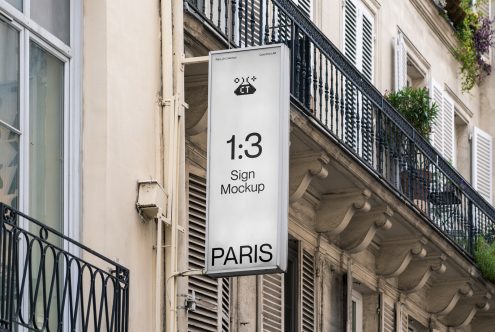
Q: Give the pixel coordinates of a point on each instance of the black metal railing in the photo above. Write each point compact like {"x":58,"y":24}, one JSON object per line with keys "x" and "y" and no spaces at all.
{"x":49,"y":282}
{"x":343,"y":102}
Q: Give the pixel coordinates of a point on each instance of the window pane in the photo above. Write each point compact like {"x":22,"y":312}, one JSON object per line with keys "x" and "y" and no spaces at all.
{"x":16,"y":3}
{"x":9,"y":167}
{"x":9,"y":75}
{"x":46,"y":99}
{"x":54,"y":16}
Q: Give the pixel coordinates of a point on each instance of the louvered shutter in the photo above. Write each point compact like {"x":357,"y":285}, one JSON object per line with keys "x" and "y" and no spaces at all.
{"x":484,"y":8}
{"x":272,"y":306}
{"x":350,"y":31}
{"x":400,"y":63}
{"x":213,"y":295}
{"x":350,"y":51}
{"x":448,"y":150}
{"x":388,"y":317}
{"x":367,"y":36}
{"x":482,"y":164}
{"x":404,"y":318}
{"x":305,"y":6}
{"x":308,"y":292}
{"x":437,"y":130}
{"x":365,"y":117}
{"x":250,"y":22}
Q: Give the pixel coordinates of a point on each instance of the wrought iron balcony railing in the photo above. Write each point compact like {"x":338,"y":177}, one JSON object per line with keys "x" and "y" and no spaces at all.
{"x":49,"y":282}
{"x":344,"y":103}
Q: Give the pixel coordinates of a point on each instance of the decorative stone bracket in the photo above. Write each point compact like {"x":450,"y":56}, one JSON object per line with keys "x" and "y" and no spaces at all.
{"x":363,"y":228}
{"x":303,"y":170}
{"x":337,"y":210}
{"x":419,"y":272}
{"x":396,"y":254}
{"x":443,"y":297}
{"x":464,"y":312}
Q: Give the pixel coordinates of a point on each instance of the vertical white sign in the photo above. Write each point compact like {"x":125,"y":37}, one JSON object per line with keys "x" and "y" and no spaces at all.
{"x":248,"y":156}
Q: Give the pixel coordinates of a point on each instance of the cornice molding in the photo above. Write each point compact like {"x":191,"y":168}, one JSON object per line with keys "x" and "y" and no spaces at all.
{"x":443,"y":30}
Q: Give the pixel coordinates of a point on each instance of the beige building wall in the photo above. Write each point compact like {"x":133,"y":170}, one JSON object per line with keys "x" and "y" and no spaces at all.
{"x":121,"y":84}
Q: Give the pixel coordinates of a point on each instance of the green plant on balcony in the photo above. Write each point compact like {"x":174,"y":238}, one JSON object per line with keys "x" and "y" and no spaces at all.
{"x":484,"y":255}
{"x":414,"y":104}
{"x":475,"y":35}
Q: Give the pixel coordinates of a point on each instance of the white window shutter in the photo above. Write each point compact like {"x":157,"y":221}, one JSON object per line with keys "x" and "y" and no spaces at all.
{"x":400,"y":63}
{"x":350,"y":31}
{"x":482,"y":164}
{"x":308,"y":292}
{"x":367,"y":42}
{"x":213,"y":308}
{"x":272,"y":306}
{"x":306,"y":6}
{"x":437,"y":130}
{"x":449,"y":143}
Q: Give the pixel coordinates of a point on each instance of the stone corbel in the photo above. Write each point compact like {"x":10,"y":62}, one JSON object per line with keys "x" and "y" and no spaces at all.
{"x":419,"y":272}
{"x":361,"y":231}
{"x":303,"y":170}
{"x":443,"y":297}
{"x":336,"y":210}
{"x":464,"y":312}
{"x":396,"y":254}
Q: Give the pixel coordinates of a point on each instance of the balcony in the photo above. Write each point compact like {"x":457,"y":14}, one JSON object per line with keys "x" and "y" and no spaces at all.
{"x":49,"y":282}
{"x":342,"y":103}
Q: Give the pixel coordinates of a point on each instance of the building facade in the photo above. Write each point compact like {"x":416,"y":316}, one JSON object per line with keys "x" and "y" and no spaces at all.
{"x":103,"y":146}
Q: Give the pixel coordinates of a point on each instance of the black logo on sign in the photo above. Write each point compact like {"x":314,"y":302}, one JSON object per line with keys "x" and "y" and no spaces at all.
{"x":245,"y":87}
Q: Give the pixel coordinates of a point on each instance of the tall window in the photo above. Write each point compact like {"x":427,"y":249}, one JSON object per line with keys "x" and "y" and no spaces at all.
{"x":359,"y":36}
{"x":38,"y":47}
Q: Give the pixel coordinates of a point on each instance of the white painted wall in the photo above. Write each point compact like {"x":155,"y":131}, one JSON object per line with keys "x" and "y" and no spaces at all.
{"x":120,"y":146}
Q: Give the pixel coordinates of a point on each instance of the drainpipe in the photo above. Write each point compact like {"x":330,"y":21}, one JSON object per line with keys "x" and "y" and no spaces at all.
{"x":172,"y":103}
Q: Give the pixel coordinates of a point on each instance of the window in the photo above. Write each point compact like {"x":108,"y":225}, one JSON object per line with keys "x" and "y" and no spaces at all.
{"x":409,"y":66}
{"x":356,"y":312}
{"x":359,"y":37}
{"x":212,"y":294}
{"x":291,"y":286}
{"x":39,"y":164}
{"x":443,"y":131}
{"x":482,"y":164}
{"x":290,"y":295}
{"x":37,"y":106}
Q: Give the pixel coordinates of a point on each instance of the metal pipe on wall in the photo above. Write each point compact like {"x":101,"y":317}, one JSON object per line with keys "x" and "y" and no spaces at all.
{"x":172,"y":94}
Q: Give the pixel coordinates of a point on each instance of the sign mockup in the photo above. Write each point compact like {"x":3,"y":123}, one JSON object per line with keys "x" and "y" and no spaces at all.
{"x":248,"y":156}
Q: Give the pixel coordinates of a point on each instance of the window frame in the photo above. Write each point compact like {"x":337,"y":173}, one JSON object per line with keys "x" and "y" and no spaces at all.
{"x":357,"y":320}
{"x":71,"y":57}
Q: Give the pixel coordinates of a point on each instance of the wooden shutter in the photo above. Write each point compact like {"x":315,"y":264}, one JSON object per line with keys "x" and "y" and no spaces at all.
{"x":272,"y":306}
{"x":308,"y":292}
{"x":250,"y":22}
{"x":400,"y":73}
{"x":213,"y":295}
{"x":484,"y":8}
{"x":388,"y":317}
{"x":367,"y":42}
{"x":437,"y":130}
{"x":404,"y":318}
{"x":443,"y":131}
{"x":305,"y":6}
{"x":448,"y":151}
{"x":482,"y":164}
{"x":350,"y":31}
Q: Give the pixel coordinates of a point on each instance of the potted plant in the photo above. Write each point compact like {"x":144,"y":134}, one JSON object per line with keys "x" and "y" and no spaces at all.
{"x":414,"y":104}
{"x":475,"y":36}
{"x":484,"y":255}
